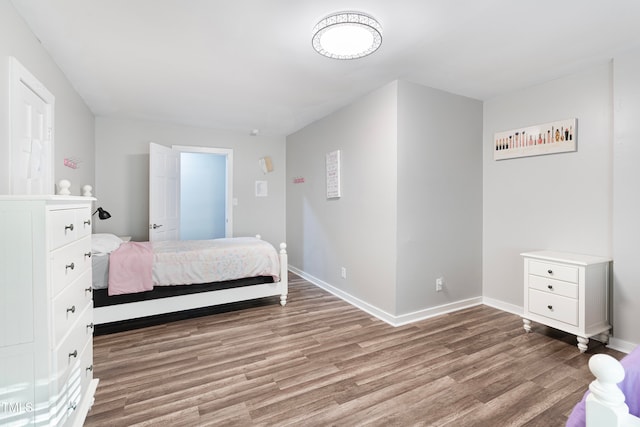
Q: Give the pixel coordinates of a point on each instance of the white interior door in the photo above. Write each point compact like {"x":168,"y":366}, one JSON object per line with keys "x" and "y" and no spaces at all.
{"x":31,"y":134}
{"x":164,"y":193}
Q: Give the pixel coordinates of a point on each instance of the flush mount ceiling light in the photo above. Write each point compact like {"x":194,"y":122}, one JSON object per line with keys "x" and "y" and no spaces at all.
{"x":347,"y":35}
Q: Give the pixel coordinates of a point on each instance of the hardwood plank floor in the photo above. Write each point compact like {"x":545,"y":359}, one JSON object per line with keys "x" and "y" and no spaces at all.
{"x":321,"y":362}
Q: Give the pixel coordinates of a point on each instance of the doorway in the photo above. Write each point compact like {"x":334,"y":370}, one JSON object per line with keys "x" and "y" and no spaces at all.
{"x":205,"y":192}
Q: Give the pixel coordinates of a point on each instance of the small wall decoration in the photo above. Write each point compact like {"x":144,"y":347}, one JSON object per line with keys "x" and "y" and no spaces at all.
{"x":548,"y":138}
{"x":72,"y":163}
{"x":261,"y":189}
{"x":298,"y":180}
{"x":333,"y":175}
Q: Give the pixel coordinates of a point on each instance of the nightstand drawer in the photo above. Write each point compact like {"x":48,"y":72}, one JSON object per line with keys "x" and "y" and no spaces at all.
{"x":553,"y":286}
{"x":565,"y":273}
{"x":554,"y":307}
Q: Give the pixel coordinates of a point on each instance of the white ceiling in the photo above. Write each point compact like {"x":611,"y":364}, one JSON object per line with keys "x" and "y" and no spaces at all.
{"x":245,"y":64}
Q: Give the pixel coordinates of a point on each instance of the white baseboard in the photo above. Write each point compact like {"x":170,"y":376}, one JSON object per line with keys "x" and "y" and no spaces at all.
{"x":364,"y":306}
{"x":621,"y":345}
{"x":504,"y":306}
{"x":383,"y":315}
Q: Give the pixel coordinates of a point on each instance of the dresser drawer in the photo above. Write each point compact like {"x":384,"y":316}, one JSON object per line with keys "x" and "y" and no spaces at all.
{"x":83,"y":222}
{"x":553,"y":286}
{"x":565,"y":273}
{"x":69,"y":263}
{"x":67,"y":225}
{"x":68,"y":352}
{"x":553,"y":306}
{"x":69,"y":304}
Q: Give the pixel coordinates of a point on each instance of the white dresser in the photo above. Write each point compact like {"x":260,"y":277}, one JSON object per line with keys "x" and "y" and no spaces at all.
{"x":46,"y":310}
{"x":569,"y":292}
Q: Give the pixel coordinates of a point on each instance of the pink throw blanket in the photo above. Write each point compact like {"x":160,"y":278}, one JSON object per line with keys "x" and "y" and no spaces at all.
{"x":130,"y":268}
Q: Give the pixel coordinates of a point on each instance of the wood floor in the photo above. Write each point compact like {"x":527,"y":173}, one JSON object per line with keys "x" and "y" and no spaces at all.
{"x":321,"y":362}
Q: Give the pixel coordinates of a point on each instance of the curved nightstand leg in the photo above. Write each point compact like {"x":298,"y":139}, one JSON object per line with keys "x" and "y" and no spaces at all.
{"x":604,"y":337}
{"x":582,"y":344}
{"x":526,"y":324}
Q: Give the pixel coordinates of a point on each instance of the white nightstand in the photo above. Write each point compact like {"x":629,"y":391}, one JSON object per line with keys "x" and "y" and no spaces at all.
{"x":569,"y":292}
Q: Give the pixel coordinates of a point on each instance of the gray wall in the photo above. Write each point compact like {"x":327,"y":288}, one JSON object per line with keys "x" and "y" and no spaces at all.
{"x":626,"y":197}
{"x":358,"y":230}
{"x":122,"y":175}
{"x":559,"y":201}
{"x":439,"y":197}
{"x":73,"y":121}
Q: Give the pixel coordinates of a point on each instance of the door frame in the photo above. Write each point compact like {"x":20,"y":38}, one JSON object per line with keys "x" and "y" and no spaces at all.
{"x":228,"y":153}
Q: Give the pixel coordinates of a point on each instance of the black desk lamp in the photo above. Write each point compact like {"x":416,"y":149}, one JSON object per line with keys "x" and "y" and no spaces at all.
{"x":102,"y":214}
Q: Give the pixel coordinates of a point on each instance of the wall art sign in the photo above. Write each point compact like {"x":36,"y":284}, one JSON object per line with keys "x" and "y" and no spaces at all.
{"x":333,"y":174}
{"x":548,"y":138}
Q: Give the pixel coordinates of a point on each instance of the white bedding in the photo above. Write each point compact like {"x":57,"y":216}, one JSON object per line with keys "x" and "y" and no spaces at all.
{"x":201,"y":261}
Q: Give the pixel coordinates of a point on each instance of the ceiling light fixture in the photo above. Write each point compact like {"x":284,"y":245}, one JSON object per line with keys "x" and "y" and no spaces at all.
{"x":347,"y":35}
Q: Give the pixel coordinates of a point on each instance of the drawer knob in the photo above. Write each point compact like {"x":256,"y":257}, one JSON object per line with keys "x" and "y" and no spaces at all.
{"x":550,"y":307}
{"x":90,"y":326}
{"x":87,"y":254}
{"x":70,"y":266}
{"x":89,"y":368}
{"x":550,"y":287}
{"x":87,"y":222}
{"x":89,"y":289}
{"x":68,"y":227}
{"x":71,"y":309}
{"x":550,"y":271}
{"x":73,"y":406}
{"x":74,"y":354}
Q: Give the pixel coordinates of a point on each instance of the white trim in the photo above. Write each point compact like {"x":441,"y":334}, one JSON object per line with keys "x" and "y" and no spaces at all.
{"x":504,"y":306}
{"x":427,"y":313}
{"x":383,"y":315}
{"x":228,"y":153}
{"x":621,"y":345}
{"x":364,"y":306}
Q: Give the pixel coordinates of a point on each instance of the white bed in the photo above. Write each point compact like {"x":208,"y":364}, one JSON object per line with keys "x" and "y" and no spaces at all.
{"x":105,"y":244}
{"x":613,"y":399}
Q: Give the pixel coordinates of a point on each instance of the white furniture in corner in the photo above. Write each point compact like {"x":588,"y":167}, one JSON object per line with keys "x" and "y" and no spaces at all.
{"x":46,"y":310}
{"x":569,"y":292}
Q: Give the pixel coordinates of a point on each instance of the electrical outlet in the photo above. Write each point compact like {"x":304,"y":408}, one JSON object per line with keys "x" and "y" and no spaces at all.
{"x":439,"y":284}
{"x":343,"y":272}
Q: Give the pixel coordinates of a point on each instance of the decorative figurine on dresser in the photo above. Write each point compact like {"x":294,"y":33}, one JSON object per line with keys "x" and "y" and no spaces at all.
{"x":569,"y":292}
{"x":46,"y":310}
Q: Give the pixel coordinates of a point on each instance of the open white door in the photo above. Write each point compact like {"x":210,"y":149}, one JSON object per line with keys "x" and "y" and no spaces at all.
{"x":164,"y":193}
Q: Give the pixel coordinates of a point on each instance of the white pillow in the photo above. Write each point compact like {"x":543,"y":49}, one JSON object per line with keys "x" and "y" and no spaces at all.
{"x":104,"y":243}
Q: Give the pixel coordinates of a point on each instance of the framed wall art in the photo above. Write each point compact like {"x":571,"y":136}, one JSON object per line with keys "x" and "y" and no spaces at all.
{"x":333,"y":175}
{"x":548,"y":138}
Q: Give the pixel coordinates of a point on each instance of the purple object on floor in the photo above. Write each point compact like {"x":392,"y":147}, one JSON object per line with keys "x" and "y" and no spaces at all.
{"x":630,"y":386}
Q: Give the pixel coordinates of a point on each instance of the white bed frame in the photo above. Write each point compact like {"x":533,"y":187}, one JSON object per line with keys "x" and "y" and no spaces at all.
{"x":605,"y":405}
{"x":134,"y":310}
